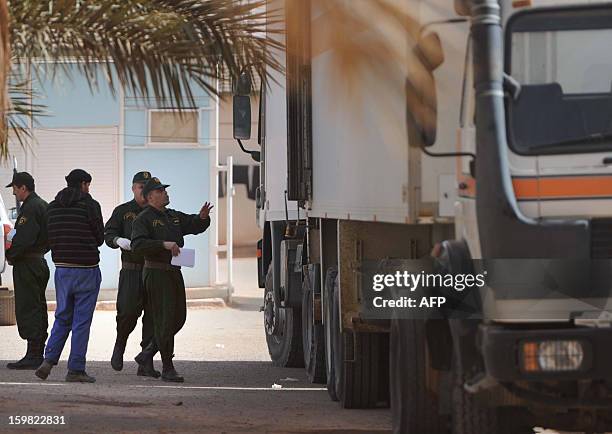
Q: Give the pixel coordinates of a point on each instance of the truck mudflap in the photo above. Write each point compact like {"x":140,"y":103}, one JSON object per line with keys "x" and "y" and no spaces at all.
{"x":541,"y":354}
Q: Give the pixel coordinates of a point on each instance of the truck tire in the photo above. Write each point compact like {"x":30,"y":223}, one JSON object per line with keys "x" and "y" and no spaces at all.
{"x":331,"y":338}
{"x":413,"y":383}
{"x":472,"y":416}
{"x":313,"y":336}
{"x":283,"y":327}
{"x":364,"y":381}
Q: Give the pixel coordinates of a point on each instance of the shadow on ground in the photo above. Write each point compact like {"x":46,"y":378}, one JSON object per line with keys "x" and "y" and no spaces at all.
{"x":216,"y":397}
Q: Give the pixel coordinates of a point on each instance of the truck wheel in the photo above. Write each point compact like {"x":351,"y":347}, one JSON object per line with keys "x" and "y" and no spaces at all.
{"x":413,"y":383}
{"x":331,"y":338}
{"x":283,"y":328}
{"x":362,"y":382}
{"x":313,"y":336}
{"x":470,"y":415}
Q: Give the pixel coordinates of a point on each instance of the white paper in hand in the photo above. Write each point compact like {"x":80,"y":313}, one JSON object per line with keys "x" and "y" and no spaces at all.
{"x":184,"y":259}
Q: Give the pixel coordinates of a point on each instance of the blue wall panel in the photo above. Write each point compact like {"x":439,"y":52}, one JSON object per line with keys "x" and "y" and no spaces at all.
{"x":135,"y":127}
{"x":70,"y":102}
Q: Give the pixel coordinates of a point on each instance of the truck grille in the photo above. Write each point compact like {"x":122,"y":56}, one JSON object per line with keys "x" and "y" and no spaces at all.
{"x":601,"y":238}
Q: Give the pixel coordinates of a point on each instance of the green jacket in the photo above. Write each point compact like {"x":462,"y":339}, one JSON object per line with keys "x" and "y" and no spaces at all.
{"x":152,"y":227}
{"x":119,"y":225}
{"x":31,"y":229}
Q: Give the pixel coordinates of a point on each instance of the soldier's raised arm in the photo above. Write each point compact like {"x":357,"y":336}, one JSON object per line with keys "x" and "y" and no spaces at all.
{"x":193,"y":224}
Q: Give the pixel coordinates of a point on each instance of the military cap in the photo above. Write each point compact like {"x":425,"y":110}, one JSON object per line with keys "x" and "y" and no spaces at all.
{"x":76,"y":176}
{"x":153,"y":184}
{"x":22,"y":178}
{"x":141,"y":177}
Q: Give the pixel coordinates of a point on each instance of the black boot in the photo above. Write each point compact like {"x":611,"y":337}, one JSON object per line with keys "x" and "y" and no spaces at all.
{"x":169,"y":373}
{"x":145,"y":362}
{"x":117,"y":358}
{"x":32,"y":359}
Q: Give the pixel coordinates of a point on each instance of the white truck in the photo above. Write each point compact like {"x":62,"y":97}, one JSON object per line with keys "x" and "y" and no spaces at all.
{"x":515,"y":165}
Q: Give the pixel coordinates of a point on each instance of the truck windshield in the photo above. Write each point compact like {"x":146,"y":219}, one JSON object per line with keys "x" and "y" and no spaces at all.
{"x":565,"y":101}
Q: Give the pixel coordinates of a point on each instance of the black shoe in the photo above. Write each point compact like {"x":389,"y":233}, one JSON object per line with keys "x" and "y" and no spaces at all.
{"x":145,"y":362}
{"x":117,"y":358}
{"x":44,"y":370}
{"x":27,"y":363}
{"x":148,"y":371}
{"x":172,"y":376}
{"x":32,"y":359}
{"x":79,"y":377}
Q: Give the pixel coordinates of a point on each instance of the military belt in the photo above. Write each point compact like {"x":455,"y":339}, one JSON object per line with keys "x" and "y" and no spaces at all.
{"x":131,"y":266}
{"x":161,"y":266}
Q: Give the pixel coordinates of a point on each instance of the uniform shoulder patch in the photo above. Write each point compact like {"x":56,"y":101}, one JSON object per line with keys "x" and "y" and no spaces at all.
{"x":157,"y":222}
{"x":22,"y":220}
{"x":129,"y":216}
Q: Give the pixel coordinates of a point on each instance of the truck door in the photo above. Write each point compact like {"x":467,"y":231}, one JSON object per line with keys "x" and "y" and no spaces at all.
{"x":563,"y":117}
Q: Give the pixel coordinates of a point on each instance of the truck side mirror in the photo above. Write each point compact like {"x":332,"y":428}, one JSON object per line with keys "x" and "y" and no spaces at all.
{"x":242,"y":117}
{"x":421,"y":97}
{"x":242,"y":107}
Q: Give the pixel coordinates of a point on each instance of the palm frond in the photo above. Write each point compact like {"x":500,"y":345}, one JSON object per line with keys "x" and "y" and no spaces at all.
{"x":155,"y":47}
{"x":22,"y":113}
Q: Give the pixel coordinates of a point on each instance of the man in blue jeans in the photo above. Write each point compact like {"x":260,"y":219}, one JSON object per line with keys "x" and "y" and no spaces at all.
{"x":75,"y":230}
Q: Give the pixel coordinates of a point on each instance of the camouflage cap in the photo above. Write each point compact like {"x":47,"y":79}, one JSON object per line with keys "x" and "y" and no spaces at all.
{"x":141,"y":177}
{"x":153,"y":184}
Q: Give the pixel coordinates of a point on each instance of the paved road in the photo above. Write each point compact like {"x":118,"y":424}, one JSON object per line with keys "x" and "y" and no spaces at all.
{"x":228,"y":388}
{"x":220,"y":396}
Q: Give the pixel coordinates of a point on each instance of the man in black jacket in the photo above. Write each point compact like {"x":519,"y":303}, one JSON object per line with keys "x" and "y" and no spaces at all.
{"x":131,"y":298}
{"x":30,"y":271}
{"x":76,"y":230}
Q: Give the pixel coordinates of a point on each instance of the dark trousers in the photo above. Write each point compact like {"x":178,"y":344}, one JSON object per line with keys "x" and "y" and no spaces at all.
{"x":131,"y":302}
{"x":30,"y":278}
{"x":77,"y":291}
{"x":166,"y":295}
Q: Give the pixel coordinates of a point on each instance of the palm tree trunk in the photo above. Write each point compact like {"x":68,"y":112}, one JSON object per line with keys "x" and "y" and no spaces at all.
{"x":5,"y":65}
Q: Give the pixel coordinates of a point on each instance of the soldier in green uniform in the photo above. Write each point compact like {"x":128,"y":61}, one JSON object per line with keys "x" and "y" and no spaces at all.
{"x":131,"y":297}
{"x":157,"y":233}
{"x":30,"y":271}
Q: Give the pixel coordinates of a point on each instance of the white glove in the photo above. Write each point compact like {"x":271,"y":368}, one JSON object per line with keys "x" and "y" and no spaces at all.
{"x":124,"y":243}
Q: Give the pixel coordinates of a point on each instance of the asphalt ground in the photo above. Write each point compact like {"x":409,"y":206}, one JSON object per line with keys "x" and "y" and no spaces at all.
{"x":230,"y":386}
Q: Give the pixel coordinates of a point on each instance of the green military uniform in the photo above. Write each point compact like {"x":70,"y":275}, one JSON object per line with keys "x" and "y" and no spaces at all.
{"x":131,"y":298}
{"x":164,"y":282}
{"x":30,"y":276}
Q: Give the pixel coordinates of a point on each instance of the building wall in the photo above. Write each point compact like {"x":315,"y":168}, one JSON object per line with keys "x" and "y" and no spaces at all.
{"x":108,"y":135}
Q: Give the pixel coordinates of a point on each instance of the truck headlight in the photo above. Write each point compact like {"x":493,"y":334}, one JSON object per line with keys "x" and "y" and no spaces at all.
{"x":552,"y":356}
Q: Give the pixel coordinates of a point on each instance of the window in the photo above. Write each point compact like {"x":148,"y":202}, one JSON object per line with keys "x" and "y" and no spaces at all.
{"x":562,"y":61}
{"x":167,"y":126}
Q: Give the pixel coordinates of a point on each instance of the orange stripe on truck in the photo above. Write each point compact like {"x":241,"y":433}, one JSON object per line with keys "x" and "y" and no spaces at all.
{"x":558,"y":187}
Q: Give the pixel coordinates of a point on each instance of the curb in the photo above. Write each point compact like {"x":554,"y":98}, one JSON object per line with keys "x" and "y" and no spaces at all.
{"x":203,"y":303}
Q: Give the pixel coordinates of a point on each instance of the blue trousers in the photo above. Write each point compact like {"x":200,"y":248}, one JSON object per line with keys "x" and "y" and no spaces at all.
{"x":76,"y":292}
